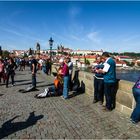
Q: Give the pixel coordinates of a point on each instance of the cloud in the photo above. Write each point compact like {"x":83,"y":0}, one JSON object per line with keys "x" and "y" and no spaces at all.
{"x":14,"y":32}
{"x":94,"y":37}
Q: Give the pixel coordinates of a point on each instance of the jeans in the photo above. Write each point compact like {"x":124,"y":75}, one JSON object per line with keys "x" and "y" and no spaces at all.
{"x":65,"y":86}
{"x":98,"y":89}
{"x":52,"y":89}
{"x":110,"y":93}
{"x":135,"y":116}
{"x":12,"y":78}
{"x":34,"y":80}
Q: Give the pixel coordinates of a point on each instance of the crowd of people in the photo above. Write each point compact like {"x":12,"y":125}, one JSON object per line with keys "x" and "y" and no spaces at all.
{"x":7,"y":70}
{"x":104,"y":79}
{"x":62,"y":80}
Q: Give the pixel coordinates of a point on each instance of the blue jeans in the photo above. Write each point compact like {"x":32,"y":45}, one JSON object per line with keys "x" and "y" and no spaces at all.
{"x":135,"y":116}
{"x":52,"y":89}
{"x":65,"y":86}
{"x":34,"y":80}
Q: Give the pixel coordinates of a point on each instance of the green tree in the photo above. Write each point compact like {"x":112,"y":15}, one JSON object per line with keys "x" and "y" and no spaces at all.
{"x":87,"y":62}
{"x":5,"y":54}
{"x":131,"y":64}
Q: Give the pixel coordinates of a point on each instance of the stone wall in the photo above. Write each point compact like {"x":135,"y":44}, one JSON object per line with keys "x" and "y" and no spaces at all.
{"x":124,"y":98}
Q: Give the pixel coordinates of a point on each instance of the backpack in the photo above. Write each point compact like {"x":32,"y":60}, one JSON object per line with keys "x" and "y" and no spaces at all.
{"x":75,"y":81}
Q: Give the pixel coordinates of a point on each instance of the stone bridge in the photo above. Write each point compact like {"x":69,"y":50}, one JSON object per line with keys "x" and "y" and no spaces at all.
{"x":24,"y":117}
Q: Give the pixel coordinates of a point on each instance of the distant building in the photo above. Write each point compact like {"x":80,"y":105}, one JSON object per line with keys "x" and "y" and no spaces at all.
{"x":124,"y":58}
{"x":87,"y":52}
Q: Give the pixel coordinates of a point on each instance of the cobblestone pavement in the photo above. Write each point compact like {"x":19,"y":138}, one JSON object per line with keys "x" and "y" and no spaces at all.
{"x":22,"y":116}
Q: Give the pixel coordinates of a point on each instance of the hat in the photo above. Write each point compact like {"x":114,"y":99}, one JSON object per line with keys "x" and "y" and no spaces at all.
{"x":61,"y":60}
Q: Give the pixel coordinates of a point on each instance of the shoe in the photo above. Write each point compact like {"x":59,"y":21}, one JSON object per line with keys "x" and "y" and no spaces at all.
{"x":106,"y":110}
{"x":132,"y":121}
{"x":46,"y":90}
{"x":94,"y":101}
{"x":42,"y":95}
{"x":13,"y":85}
{"x":64,"y":98}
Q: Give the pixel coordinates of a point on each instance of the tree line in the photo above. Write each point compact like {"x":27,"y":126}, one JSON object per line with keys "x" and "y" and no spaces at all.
{"x":131,"y":54}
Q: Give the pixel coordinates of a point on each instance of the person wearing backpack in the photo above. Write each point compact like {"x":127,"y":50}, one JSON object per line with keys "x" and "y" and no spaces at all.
{"x":135,"y":116}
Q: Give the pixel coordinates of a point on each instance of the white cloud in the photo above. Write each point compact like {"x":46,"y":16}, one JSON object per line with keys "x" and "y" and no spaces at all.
{"x":15,"y":32}
{"x":94,"y":37}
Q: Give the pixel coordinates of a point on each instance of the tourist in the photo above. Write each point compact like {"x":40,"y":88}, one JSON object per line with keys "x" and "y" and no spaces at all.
{"x":55,"y":89}
{"x":135,"y":116}
{"x":109,"y":71}
{"x":49,"y":66}
{"x":70,"y":65}
{"x":98,"y":82}
{"x":10,"y":71}
{"x":65,"y":73}
{"x":1,"y":70}
{"x":33,"y":70}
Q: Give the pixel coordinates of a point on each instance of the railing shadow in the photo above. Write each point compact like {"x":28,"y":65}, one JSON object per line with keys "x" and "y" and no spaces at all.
{"x":45,"y":85}
{"x":28,"y":83}
{"x":22,"y":80}
{"x":10,"y":127}
{"x":77,"y":88}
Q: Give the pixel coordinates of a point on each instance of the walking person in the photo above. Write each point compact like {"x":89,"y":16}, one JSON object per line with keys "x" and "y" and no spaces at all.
{"x":135,"y":116}
{"x":33,"y":70}
{"x":98,"y":82}
{"x":109,"y":71}
{"x":1,"y":70}
{"x":10,"y":71}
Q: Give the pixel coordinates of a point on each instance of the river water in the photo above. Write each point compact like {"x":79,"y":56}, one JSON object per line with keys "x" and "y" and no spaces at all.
{"x":129,"y":75}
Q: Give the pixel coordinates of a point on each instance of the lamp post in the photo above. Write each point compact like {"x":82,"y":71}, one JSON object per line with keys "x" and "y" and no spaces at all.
{"x":51,"y":44}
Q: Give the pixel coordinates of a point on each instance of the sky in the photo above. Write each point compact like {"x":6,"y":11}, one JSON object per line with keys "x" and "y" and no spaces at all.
{"x":112,"y":26}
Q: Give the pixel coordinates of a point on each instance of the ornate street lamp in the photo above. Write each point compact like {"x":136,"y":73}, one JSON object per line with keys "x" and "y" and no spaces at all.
{"x":30,"y":51}
{"x":51,"y":44}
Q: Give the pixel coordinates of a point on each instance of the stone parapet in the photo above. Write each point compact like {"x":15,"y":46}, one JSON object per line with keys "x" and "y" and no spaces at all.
{"x":124,"y":98}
